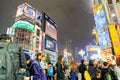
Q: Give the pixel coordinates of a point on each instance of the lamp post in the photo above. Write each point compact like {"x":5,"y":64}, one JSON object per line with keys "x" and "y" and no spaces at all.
{"x":82,"y":53}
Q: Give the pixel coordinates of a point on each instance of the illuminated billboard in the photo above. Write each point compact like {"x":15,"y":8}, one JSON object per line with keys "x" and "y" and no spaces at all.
{"x":20,"y":10}
{"x":50,"y":27}
{"x":38,"y":16}
{"x":115,"y":39}
{"x":96,"y":5}
{"x":93,"y":51}
{"x":102,"y":29}
{"x":26,"y":9}
{"x":50,"y":43}
{"x":51,"y":30}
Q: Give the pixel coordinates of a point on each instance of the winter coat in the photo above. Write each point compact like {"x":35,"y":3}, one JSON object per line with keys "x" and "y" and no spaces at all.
{"x":93,"y":72}
{"x":104,"y":71}
{"x":112,"y":73}
{"x":36,"y":72}
{"x":6,"y":69}
{"x":60,"y":72}
{"x":82,"y":68}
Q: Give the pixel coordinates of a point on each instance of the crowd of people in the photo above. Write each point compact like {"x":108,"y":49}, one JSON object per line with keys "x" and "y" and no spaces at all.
{"x":100,"y":70}
{"x":16,"y":65}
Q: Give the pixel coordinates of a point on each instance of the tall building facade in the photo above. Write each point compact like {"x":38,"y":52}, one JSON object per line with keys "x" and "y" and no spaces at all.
{"x":50,"y":29}
{"x":70,"y":46}
{"x":112,"y":8}
{"x":76,"y":55}
{"x":106,"y":16}
{"x":113,"y":11}
{"x":101,"y":22}
{"x":34,"y":31}
{"x":28,"y":28}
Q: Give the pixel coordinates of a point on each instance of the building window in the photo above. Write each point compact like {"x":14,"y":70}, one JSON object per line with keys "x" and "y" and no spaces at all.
{"x":38,"y":32}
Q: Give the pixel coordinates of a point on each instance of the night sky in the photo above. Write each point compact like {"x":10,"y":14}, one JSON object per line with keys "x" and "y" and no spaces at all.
{"x":74,"y":18}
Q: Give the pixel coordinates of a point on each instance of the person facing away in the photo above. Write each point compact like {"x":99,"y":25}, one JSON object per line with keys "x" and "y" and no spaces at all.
{"x":6,"y":70}
{"x":50,"y":71}
{"x":74,"y":71}
{"x":117,"y":68}
{"x":17,"y":57}
{"x":105,"y":72}
{"x":82,"y":68}
{"x":92,"y":69}
{"x":18,"y":60}
{"x":60,"y":68}
{"x":111,"y":67}
{"x":36,"y":72}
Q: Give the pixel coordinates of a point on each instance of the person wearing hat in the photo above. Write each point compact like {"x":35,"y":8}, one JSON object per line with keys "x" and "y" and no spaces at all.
{"x":60,"y":68}
{"x":35,"y":70}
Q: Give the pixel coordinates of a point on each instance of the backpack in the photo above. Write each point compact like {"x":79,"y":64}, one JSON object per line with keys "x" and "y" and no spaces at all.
{"x":5,"y":63}
{"x":17,"y":55}
{"x":18,"y":60}
{"x":50,"y":71}
{"x":107,"y":76}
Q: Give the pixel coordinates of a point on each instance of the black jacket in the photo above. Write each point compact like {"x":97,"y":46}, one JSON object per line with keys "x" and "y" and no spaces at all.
{"x":82,"y":69}
{"x":60,"y":72}
{"x":104,"y":71}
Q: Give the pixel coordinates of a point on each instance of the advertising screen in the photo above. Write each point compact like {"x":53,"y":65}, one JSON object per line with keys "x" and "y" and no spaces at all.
{"x":101,"y":26}
{"x":50,"y":26}
{"x":114,"y":39}
{"x":50,"y":43}
{"x":20,"y":10}
{"x":95,"y":3}
{"x":51,"y":30}
{"x":29,"y":11}
{"x":38,"y":16}
{"x":94,"y":55}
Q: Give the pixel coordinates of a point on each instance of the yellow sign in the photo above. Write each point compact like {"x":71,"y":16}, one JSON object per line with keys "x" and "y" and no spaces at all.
{"x":114,"y":39}
{"x":97,"y":8}
{"x":118,"y":9}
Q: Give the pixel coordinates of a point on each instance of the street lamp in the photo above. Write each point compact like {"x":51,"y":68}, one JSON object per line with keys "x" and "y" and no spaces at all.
{"x":82,"y":53}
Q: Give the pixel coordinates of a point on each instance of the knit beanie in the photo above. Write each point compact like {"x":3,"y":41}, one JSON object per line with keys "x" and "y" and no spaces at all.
{"x":27,"y":56}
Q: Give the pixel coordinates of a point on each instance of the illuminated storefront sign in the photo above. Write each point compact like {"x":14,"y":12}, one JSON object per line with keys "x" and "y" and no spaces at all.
{"x":96,"y":5}
{"x":102,"y":30}
{"x":24,"y":25}
{"x":114,"y":38}
{"x":27,"y":10}
{"x":50,"y":27}
{"x":93,"y":51}
{"x":97,"y":8}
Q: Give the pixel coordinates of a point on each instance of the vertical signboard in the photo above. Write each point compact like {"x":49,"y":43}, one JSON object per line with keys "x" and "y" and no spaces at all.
{"x":114,"y":38}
